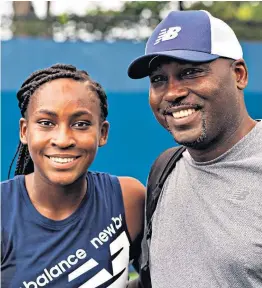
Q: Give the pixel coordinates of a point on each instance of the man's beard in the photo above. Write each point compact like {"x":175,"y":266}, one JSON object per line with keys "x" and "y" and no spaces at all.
{"x":199,"y":141}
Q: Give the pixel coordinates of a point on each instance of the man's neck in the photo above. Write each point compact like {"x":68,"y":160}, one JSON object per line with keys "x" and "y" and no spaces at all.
{"x":218,"y":148}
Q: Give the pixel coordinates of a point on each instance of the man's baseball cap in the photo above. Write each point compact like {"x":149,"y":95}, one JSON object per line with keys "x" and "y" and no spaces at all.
{"x":194,"y":36}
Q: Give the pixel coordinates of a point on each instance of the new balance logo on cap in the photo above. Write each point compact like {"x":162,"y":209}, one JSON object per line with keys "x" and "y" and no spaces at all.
{"x":169,"y":34}
{"x":193,"y":36}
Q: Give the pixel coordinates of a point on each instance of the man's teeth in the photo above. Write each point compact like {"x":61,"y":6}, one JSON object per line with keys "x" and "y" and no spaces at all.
{"x":62,"y":160}
{"x":183,"y":113}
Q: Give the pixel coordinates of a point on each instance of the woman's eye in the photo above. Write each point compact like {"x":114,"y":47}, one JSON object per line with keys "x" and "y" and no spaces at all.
{"x":45,"y":123}
{"x":81,"y":124}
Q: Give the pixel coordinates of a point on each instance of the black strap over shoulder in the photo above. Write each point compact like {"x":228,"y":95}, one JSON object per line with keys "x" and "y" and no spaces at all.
{"x":159,"y":172}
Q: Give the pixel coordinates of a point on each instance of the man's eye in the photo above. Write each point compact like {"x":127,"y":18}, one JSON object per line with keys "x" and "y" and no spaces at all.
{"x":45,"y":123}
{"x":81,"y":124}
{"x":190,"y":72}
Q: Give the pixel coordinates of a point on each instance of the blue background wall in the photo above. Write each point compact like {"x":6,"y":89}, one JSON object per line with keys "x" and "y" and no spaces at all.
{"x":135,"y":137}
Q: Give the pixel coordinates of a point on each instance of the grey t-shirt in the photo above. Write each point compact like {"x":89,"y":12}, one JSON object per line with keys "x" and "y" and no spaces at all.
{"x":207,"y":227}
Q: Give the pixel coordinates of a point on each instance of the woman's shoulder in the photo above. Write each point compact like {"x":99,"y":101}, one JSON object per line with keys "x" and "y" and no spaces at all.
{"x":11,"y":198}
{"x":133,"y":192}
{"x":131,"y":187}
{"x":12,"y":184}
{"x":101,"y":177}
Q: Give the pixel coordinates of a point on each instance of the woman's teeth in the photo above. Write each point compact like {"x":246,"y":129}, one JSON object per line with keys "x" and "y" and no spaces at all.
{"x":62,"y":160}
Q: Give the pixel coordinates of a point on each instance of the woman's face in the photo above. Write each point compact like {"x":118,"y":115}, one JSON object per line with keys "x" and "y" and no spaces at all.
{"x":63,"y":130}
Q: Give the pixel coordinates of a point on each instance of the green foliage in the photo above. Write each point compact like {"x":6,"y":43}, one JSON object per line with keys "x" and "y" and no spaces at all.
{"x":233,"y":10}
{"x":245,"y":18}
{"x":137,"y":19}
{"x":63,"y":19}
{"x":33,"y":28}
{"x":137,"y":7}
{"x":133,"y":275}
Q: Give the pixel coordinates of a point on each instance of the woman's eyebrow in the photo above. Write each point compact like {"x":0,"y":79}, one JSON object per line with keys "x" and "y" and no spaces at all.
{"x":54,"y":114}
{"x":47,"y":112}
{"x":80,"y":113}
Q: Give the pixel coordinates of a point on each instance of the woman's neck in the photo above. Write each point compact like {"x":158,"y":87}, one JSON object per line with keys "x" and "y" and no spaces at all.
{"x":55,"y":202}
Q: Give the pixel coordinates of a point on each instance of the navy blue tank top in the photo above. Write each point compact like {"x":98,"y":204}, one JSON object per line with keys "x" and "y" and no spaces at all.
{"x":88,"y":249}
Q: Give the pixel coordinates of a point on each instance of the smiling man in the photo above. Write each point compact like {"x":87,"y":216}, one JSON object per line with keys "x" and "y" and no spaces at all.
{"x":206,"y":228}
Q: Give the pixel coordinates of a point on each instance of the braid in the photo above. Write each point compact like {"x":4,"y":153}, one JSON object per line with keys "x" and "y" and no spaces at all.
{"x":24,"y":164}
{"x":103,"y":98}
{"x":23,"y":161}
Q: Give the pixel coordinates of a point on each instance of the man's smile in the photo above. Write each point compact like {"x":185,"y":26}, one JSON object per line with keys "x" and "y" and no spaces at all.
{"x":182,"y":111}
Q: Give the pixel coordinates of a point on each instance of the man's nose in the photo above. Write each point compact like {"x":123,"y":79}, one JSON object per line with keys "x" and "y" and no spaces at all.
{"x":63,"y":138}
{"x":175,"y":90}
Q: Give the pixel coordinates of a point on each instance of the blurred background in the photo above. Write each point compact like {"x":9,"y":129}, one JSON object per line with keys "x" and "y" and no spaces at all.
{"x":103,"y":37}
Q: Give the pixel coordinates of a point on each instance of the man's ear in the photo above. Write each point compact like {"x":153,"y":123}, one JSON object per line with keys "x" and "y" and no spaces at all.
{"x":103,"y":133}
{"x":241,"y":73}
{"x":23,"y":130}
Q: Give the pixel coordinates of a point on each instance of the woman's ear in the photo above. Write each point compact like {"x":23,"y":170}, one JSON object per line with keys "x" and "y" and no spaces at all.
{"x":23,"y":130}
{"x":104,"y":130}
{"x":241,"y":73}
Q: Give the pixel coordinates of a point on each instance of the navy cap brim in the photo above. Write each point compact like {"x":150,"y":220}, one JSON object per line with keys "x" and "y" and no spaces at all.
{"x":139,"y":68}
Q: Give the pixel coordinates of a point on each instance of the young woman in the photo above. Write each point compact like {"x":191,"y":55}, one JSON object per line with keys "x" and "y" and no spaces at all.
{"x":61,"y":225}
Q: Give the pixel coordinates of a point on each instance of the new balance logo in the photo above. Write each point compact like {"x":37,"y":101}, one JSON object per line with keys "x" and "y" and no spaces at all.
{"x":240,"y":195}
{"x":56,"y":271}
{"x":119,"y":251}
{"x":169,"y":34}
{"x":119,"y":278}
{"x":108,"y":232}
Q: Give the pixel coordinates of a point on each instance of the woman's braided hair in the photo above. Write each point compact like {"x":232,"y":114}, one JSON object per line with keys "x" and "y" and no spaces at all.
{"x":24,"y":164}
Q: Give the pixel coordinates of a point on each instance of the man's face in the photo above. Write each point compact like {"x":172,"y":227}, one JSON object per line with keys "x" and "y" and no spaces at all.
{"x":197,"y":102}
